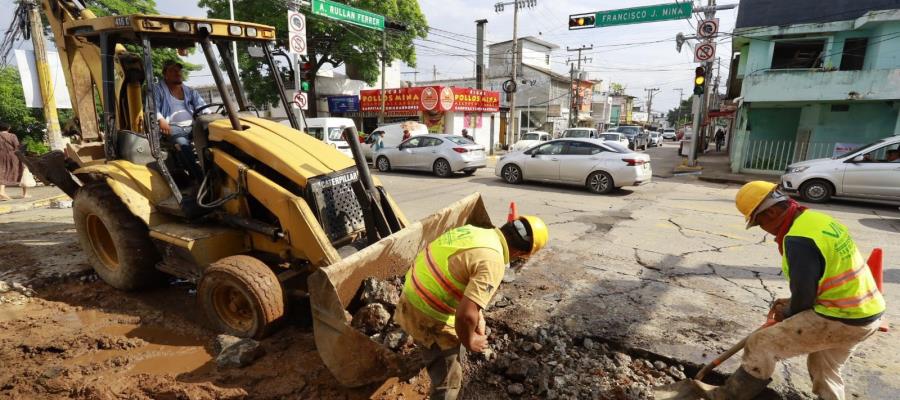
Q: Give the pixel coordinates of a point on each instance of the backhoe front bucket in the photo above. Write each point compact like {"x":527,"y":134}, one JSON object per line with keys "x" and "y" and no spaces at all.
{"x":354,"y":358}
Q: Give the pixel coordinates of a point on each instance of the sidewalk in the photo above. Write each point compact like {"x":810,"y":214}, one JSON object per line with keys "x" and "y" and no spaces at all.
{"x":40,"y":196}
{"x":716,"y":168}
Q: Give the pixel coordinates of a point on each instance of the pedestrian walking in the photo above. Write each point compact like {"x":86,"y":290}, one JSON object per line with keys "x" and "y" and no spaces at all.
{"x":835,"y":303}
{"x":10,"y":166}
{"x":720,"y":139}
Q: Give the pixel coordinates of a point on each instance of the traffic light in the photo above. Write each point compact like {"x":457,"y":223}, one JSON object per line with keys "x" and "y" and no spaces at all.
{"x":699,"y":80}
{"x":581,"y":21}
{"x":306,"y":76}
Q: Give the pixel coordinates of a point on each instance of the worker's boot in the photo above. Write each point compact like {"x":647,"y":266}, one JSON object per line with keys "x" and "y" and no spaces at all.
{"x":739,"y":386}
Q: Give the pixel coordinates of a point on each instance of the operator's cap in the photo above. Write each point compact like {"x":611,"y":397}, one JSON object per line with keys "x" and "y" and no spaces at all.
{"x":171,"y":63}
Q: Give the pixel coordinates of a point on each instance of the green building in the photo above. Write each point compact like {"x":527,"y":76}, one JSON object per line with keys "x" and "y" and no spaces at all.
{"x":812,"y":78}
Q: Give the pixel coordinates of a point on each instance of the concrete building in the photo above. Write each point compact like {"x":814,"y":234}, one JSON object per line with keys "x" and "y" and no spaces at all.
{"x":812,"y":78}
{"x":544,"y":97}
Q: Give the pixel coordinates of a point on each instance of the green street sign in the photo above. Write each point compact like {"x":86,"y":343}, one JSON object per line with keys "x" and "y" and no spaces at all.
{"x":638,"y":15}
{"x":345,"y":13}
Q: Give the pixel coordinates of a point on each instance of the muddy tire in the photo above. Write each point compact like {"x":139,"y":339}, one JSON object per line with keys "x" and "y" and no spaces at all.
{"x":117,"y":243}
{"x":241,"y":297}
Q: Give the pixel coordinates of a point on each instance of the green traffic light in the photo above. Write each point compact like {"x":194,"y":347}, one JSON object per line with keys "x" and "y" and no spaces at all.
{"x":304,"y":86}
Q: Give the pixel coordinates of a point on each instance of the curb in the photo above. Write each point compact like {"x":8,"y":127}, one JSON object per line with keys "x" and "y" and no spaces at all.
{"x":39,"y":203}
{"x":737,"y":181}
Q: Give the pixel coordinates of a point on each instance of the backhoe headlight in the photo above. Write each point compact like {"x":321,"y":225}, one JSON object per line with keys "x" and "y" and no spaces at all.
{"x":204,"y":27}
{"x":181,"y":26}
{"x":251,"y":31}
{"x":796,"y":170}
{"x":234,"y":30}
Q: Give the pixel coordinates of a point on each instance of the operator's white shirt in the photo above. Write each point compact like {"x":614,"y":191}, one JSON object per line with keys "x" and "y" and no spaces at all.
{"x":180,"y":115}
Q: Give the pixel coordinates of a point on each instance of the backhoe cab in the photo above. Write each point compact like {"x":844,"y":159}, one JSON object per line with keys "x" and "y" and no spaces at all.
{"x":273,"y":204}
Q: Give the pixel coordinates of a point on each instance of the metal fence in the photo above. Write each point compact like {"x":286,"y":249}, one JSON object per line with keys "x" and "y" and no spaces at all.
{"x":775,"y":155}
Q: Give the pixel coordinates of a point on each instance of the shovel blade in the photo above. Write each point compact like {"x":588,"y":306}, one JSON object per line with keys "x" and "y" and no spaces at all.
{"x":688,"y":389}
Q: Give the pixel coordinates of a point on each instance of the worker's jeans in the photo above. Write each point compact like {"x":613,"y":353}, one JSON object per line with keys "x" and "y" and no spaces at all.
{"x":184,"y":150}
{"x":829,"y":344}
{"x":445,"y":371}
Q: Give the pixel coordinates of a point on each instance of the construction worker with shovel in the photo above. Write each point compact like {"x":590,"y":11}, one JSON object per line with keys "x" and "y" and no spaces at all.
{"x":452,"y":280}
{"x":834,"y":303}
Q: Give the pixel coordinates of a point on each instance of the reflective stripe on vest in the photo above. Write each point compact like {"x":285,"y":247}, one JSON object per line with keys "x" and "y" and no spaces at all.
{"x":847,"y":289}
{"x":430,"y":287}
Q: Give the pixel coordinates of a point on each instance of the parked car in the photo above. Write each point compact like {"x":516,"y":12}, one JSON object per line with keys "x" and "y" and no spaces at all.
{"x":870,"y":173}
{"x":600,"y":166}
{"x":656,"y":139}
{"x":585,"y":133}
{"x":393,"y":135}
{"x":636,"y":136}
{"x":669,"y":134}
{"x":616,"y":137}
{"x":530,"y":139}
{"x":442,"y":154}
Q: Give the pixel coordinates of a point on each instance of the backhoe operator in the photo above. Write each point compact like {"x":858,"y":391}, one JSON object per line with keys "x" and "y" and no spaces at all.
{"x":834,"y":305}
{"x":452,"y":280}
{"x":175,"y":106}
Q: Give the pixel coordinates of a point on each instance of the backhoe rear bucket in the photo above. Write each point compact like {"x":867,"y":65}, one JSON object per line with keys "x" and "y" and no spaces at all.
{"x":354,"y":358}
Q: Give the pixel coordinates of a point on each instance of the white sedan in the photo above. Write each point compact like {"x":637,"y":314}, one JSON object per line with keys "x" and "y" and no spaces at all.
{"x":441,"y":154}
{"x":598,"y":165}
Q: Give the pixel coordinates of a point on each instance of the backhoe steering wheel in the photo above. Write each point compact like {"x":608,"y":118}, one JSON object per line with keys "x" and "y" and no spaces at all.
{"x":219,"y":110}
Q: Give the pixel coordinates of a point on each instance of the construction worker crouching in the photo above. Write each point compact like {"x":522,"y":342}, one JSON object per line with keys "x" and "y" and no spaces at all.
{"x":834,"y":305}
{"x":452,"y":280}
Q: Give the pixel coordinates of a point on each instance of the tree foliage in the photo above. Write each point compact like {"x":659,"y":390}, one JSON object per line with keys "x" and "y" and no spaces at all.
{"x":683,"y":116}
{"x":121,"y":7}
{"x":329,"y":42}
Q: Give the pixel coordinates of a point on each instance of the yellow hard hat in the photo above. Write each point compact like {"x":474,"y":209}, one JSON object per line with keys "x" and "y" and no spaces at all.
{"x":539,"y":232}
{"x":750,"y":196}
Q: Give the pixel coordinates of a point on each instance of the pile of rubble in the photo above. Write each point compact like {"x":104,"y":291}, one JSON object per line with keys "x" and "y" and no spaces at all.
{"x":375,"y":318}
{"x":553,"y":364}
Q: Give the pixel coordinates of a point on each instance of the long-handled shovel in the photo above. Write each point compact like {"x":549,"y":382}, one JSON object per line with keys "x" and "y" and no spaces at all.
{"x":693,"y":389}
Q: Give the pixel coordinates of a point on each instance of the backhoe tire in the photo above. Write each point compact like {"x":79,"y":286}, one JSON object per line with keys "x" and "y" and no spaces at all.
{"x":117,"y":243}
{"x":241,"y":297}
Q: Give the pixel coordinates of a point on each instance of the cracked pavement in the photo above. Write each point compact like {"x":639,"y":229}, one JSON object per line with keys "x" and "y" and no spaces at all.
{"x":667,"y":268}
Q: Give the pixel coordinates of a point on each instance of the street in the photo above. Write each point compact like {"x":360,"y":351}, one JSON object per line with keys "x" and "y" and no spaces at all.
{"x":665,"y":271}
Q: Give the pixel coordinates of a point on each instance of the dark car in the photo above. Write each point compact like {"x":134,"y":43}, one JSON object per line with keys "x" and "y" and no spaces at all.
{"x":637,"y":137}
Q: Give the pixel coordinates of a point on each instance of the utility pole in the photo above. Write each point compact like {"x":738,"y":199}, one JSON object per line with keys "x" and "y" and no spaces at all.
{"x":701,"y":102}
{"x":512,"y":125}
{"x":577,"y":81}
{"x":678,"y":110}
{"x":434,"y":72}
{"x":650,"y":93}
{"x":415,"y":75}
{"x":233,"y":43}
{"x":44,"y":79}
{"x":383,"y":70}
{"x":479,"y":53}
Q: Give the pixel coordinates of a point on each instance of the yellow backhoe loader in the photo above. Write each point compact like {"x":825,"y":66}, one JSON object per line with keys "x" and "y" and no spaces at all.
{"x":271,"y":217}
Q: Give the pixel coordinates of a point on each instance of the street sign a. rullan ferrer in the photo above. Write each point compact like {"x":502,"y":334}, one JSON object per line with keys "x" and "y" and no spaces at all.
{"x":345,"y":13}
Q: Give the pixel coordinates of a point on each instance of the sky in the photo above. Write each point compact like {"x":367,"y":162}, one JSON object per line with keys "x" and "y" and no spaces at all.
{"x":637,"y":56}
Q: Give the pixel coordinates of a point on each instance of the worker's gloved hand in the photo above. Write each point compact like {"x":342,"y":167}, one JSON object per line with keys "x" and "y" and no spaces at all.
{"x":780,"y":308}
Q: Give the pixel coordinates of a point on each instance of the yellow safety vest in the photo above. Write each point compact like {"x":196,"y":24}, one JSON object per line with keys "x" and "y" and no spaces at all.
{"x":430,"y":287}
{"x":847,"y":289}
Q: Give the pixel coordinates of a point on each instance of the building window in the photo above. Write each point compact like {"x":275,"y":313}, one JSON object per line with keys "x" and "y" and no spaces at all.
{"x":547,"y":59}
{"x":854,"y":55}
{"x":798,"y":54}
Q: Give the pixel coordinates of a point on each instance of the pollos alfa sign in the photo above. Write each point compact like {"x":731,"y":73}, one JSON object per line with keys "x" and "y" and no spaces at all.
{"x":431,"y":98}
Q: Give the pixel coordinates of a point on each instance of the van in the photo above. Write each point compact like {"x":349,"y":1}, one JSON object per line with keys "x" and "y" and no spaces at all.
{"x":330,"y":130}
{"x":393,"y":135}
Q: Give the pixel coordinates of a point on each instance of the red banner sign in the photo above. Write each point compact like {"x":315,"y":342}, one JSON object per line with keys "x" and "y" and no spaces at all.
{"x":431,"y":98}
